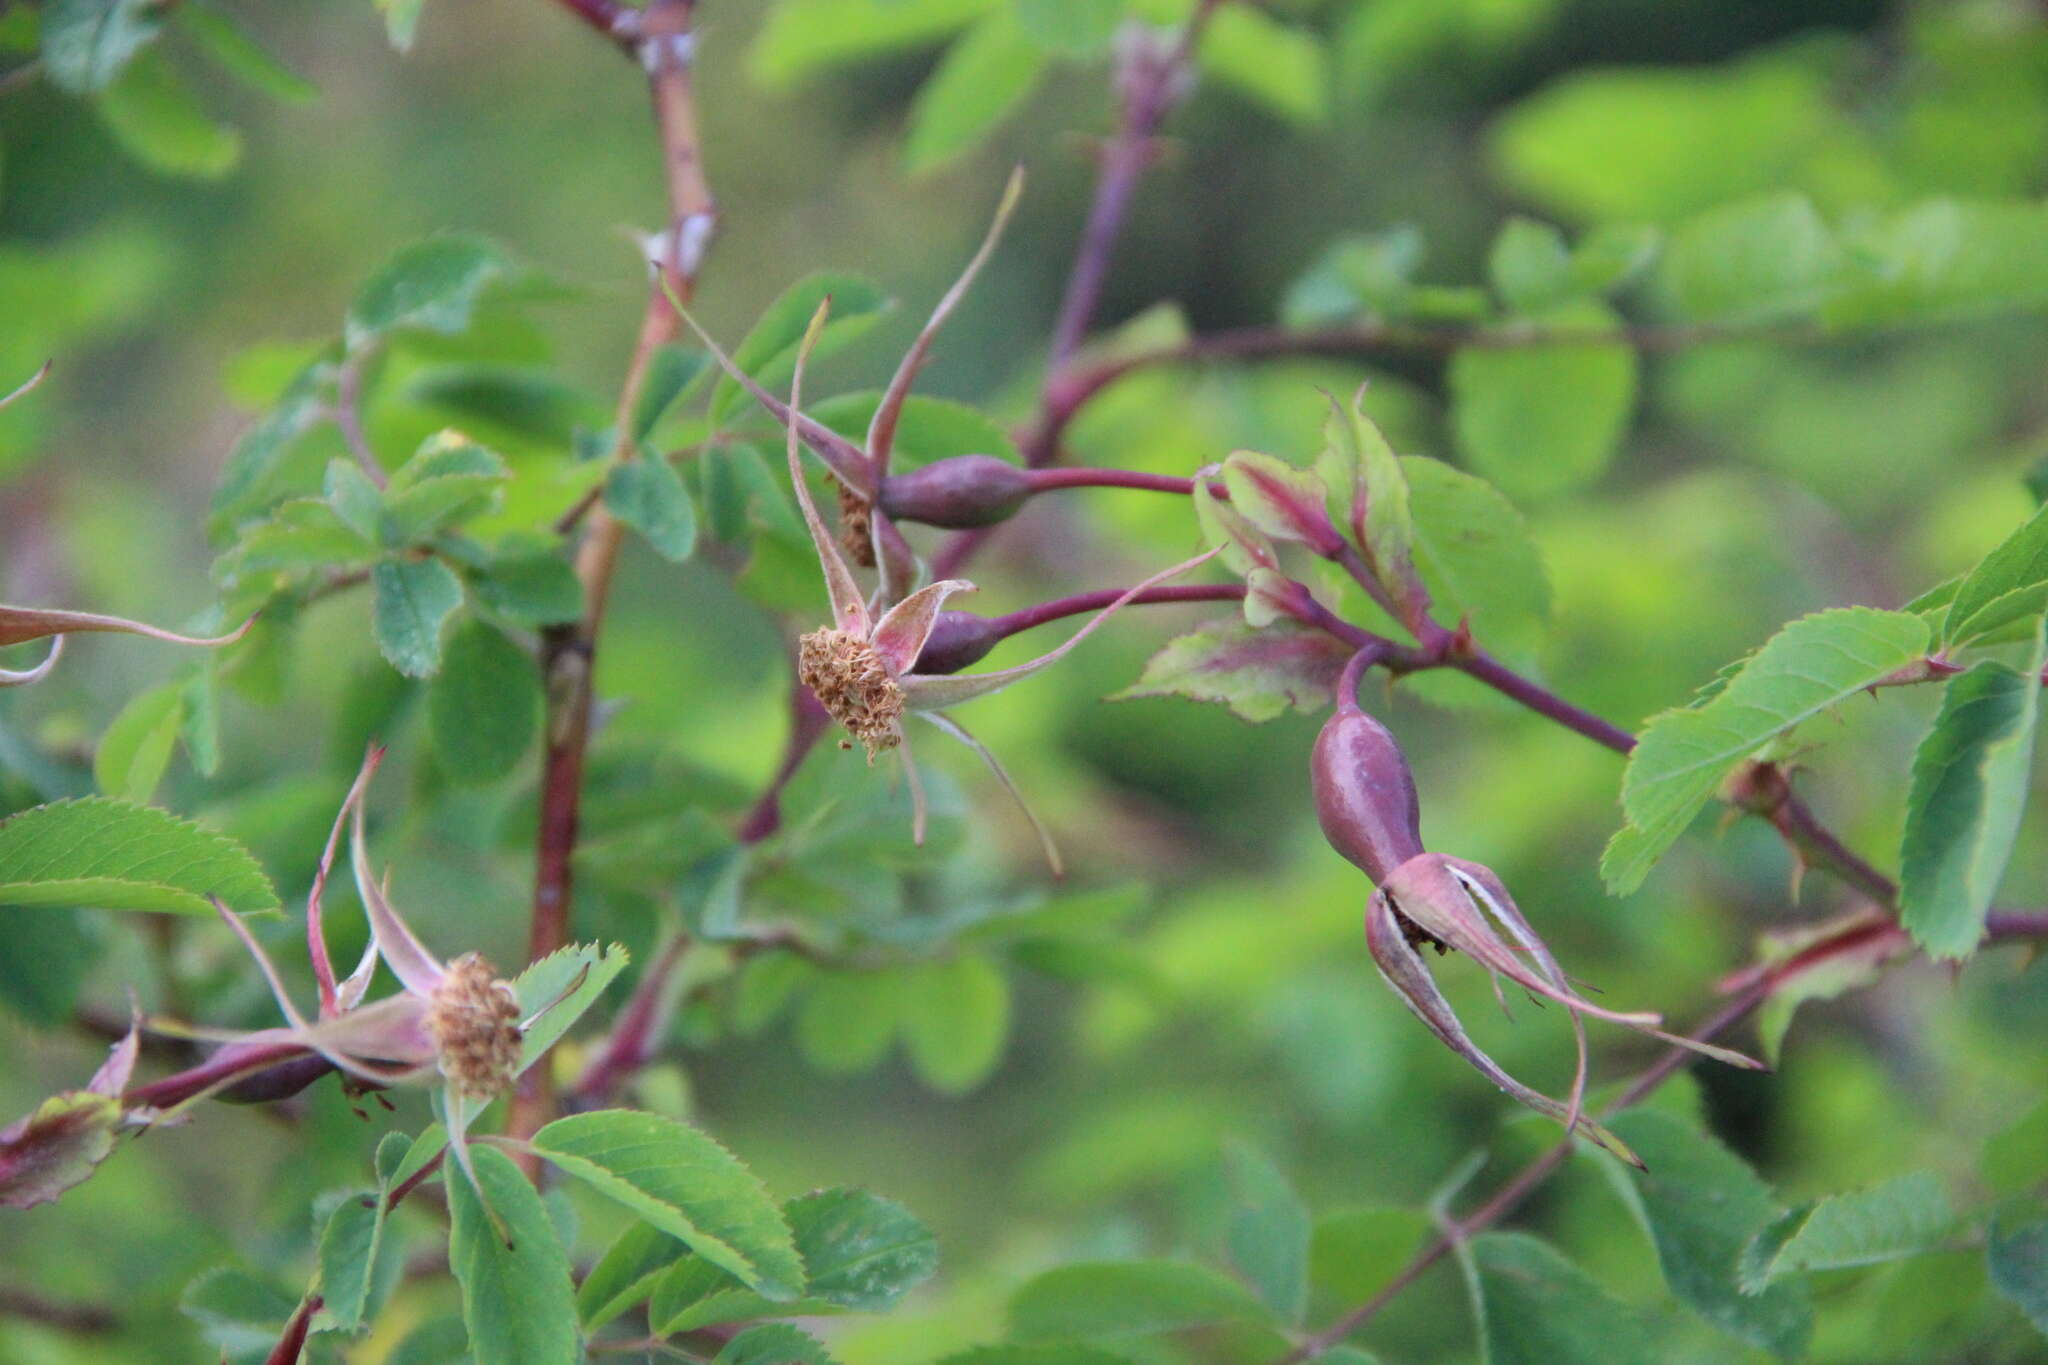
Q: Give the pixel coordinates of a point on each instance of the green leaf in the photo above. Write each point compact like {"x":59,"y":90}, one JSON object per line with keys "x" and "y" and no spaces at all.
{"x":802,"y":37}
{"x":1268,"y":1233}
{"x":2016,"y":1160}
{"x":1970,"y":779}
{"x":670,"y":372}
{"x":625,"y":1274}
{"x":116,"y":856}
{"x":985,"y":74}
{"x":532,"y":589}
{"x":1276,"y":66}
{"x":157,"y":119}
{"x":1761,"y":260}
{"x":1536,"y":1308}
{"x":1682,"y":756}
{"x":518,"y":400}
{"x":1258,"y":673}
{"x":1942,"y":260}
{"x":248,"y":482}
{"x":2009,"y":584}
{"x":1368,"y":491}
{"x":87,"y":43}
{"x":927,"y":428}
{"x":413,"y":600}
{"x":1900,"y":1218}
{"x":774,"y":1343}
{"x":235,"y":1311}
{"x":687,"y":1185}
{"x":136,"y":747}
{"x":1540,"y":420}
{"x":517,"y":1300}
{"x":432,"y":285}
{"x":955,"y":1020}
{"x":1529,"y":265}
{"x":847,"y":1021}
{"x":542,"y":985}
{"x":1353,"y":1253}
{"x":351,"y":496}
{"x":1128,"y":1298}
{"x":768,"y":353}
{"x":1701,"y":1206}
{"x":351,"y":1248}
{"x":1074,"y":28}
{"x":861,"y":1251}
{"x":649,"y":496}
{"x":240,"y":55}
{"x":2017,"y":1257}
{"x":483,"y":706}
{"x":1474,"y":553}
{"x":447,"y":481}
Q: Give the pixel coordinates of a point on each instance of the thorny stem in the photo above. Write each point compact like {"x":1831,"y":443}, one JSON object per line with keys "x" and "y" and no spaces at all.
{"x":568,"y":653}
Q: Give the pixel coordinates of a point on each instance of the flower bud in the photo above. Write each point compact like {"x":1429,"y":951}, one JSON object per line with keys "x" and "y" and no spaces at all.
{"x":1365,"y":795}
{"x":958,"y":493}
{"x":958,"y":639}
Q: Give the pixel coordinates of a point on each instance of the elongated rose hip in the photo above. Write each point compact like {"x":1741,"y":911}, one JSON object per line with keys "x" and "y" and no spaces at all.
{"x":959,"y":493}
{"x":1365,"y":794}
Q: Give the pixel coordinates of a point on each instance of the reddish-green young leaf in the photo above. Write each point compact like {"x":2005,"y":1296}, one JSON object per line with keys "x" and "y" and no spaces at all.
{"x":1257,"y":673}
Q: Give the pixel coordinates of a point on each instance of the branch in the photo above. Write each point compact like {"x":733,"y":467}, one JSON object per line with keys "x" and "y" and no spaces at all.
{"x":665,"y":42}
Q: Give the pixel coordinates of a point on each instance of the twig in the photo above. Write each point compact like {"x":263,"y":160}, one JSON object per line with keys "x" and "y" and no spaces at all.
{"x":87,"y":1319}
{"x":348,"y":415}
{"x":568,"y":653}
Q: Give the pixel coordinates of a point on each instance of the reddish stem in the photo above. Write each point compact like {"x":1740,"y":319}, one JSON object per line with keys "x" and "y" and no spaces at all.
{"x":1042,"y":479}
{"x":1028,"y":617}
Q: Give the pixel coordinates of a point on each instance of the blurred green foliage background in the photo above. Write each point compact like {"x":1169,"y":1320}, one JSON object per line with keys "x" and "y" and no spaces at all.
{"x":1220,"y":990}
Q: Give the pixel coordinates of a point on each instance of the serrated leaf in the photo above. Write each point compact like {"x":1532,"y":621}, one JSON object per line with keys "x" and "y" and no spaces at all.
{"x":413,"y":599}
{"x":687,"y":1185}
{"x":517,"y":1300}
{"x":348,"y":492}
{"x":1368,"y":491}
{"x":1540,"y":420}
{"x":774,"y":1343}
{"x":236,"y":1311}
{"x":1128,"y":1298}
{"x":1969,"y":790}
{"x":351,"y":1246}
{"x":449,"y":480}
{"x":1682,"y":756}
{"x":530,"y":589}
{"x":1701,"y":1206}
{"x":483,"y":706}
{"x":157,"y":119}
{"x":768,"y":352}
{"x":671,"y":372}
{"x":1245,"y":547}
{"x":955,"y":1020}
{"x":2017,"y":1256}
{"x":1473,"y":551}
{"x":2009,"y":584}
{"x":861,"y":1252}
{"x":1286,"y":503}
{"x":240,"y":55}
{"x":87,"y":43}
{"x":985,"y":74}
{"x":588,"y":967}
{"x":1258,"y":673}
{"x":1900,"y":1218}
{"x":116,"y":856}
{"x":432,"y":285}
{"x":55,"y":1147}
{"x":649,"y":496}
{"x":625,"y":1275}
{"x":1534,"y":1307}
{"x":136,"y":747}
